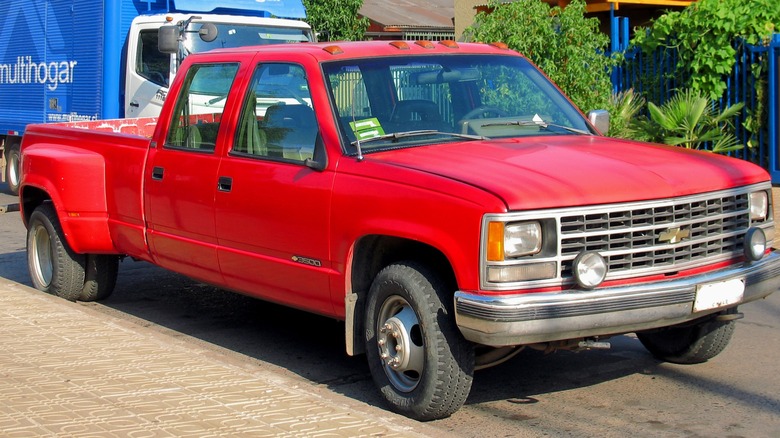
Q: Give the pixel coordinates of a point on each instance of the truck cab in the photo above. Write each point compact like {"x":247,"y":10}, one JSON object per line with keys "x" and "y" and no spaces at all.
{"x":150,"y":72}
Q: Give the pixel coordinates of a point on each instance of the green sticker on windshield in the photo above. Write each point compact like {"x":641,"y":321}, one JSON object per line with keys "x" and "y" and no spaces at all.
{"x":367,"y":128}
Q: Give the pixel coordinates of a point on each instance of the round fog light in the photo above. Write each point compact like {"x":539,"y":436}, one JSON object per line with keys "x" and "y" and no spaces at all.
{"x":589,"y":269}
{"x":755,"y":244}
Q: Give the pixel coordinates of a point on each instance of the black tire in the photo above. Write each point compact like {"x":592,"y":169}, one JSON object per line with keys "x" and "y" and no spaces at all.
{"x":689,"y":344}
{"x":100,"y":277}
{"x":13,"y":170}
{"x":54,"y":267}
{"x":418,"y":358}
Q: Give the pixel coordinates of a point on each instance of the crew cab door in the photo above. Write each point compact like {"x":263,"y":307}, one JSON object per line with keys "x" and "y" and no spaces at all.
{"x":181,"y":176}
{"x":272,"y":210}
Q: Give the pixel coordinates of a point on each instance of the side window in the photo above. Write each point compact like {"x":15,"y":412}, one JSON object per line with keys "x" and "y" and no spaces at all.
{"x":277,"y":119}
{"x":152,"y":64}
{"x":199,"y":107}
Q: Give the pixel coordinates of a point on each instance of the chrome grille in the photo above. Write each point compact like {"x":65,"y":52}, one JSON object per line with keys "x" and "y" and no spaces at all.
{"x":630,"y":238}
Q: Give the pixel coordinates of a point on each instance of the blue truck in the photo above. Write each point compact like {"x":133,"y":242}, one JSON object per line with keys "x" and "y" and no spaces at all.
{"x":81,"y":60}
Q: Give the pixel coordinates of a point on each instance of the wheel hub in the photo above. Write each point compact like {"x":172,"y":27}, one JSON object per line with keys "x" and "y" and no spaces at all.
{"x":394,"y":342}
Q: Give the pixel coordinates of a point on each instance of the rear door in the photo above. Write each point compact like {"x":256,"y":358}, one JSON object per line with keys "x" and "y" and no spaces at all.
{"x":181,"y":175}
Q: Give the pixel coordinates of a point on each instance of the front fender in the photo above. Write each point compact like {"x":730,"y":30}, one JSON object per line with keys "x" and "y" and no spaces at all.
{"x":74,"y":180}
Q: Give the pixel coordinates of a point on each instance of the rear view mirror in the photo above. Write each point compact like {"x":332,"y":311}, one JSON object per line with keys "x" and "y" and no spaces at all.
{"x":168,"y":39}
{"x":599,"y":119}
{"x":208,"y":32}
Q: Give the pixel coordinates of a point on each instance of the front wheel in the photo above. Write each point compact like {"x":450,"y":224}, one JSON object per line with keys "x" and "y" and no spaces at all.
{"x":418,"y":359}
{"x":690,"y":344}
{"x":54,"y":267}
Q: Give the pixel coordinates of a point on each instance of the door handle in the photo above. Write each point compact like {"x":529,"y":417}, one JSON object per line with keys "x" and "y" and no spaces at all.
{"x":157,"y":173}
{"x":225,"y":184}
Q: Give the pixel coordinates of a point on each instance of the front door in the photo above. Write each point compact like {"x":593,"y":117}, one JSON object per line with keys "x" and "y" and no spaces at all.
{"x":272,"y":210}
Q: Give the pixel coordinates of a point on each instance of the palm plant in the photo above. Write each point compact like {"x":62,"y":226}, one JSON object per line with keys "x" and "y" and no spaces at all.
{"x":691,"y":120}
{"x":625,"y":110}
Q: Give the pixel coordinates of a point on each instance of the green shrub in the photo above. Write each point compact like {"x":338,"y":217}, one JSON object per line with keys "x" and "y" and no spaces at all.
{"x":568,"y":47}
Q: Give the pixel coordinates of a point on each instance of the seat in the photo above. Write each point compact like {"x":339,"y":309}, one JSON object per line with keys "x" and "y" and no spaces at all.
{"x":291,"y":130}
{"x":250,"y":139}
{"x":193,"y":139}
{"x":417,"y":114}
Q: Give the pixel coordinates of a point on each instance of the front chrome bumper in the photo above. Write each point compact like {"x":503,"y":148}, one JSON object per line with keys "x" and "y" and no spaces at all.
{"x":500,"y":320}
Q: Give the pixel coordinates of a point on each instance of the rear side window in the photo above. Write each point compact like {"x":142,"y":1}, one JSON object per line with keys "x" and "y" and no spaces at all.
{"x":199,"y":107}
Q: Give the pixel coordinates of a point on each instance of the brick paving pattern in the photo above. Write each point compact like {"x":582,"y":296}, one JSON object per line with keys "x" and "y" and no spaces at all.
{"x":68,"y":372}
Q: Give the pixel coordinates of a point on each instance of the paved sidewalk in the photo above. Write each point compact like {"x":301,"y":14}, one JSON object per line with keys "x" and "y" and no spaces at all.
{"x":68,"y":371}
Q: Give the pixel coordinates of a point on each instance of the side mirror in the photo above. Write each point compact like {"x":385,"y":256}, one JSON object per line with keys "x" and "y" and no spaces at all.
{"x":208,"y":32}
{"x":320,"y":159}
{"x":599,"y":119}
{"x":168,"y":39}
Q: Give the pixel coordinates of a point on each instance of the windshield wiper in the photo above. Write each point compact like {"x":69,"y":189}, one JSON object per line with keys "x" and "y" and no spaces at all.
{"x":395,"y":136}
{"x":540,"y":124}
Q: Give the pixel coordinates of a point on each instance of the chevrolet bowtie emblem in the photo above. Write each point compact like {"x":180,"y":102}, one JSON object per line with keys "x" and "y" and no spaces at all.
{"x":674,"y":235}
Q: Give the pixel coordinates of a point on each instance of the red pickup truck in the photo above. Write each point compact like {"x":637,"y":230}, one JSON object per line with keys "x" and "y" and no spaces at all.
{"x":445,"y":200}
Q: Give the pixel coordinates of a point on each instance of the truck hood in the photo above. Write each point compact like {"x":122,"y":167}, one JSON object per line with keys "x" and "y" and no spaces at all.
{"x":573,"y":170}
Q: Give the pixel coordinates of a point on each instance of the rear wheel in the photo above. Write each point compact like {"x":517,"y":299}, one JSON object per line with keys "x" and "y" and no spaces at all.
{"x":54,"y":267}
{"x":420,"y":362}
{"x":13,"y":168}
{"x":100,"y":277}
{"x":690,"y":344}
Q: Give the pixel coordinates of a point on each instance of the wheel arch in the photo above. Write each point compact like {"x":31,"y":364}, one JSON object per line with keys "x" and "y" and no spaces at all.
{"x":74,"y":181}
{"x":370,"y":255}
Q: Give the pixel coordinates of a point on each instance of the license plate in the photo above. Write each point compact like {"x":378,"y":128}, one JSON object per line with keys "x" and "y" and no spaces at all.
{"x":714,"y":295}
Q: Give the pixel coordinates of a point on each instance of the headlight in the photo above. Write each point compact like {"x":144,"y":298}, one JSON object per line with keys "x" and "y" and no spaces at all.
{"x":759,"y":206}
{"x":513,"y":240}
{"x":522,"y":239}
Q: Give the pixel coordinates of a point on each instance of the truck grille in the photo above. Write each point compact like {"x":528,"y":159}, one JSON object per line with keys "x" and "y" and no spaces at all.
{"x":642,"y":239}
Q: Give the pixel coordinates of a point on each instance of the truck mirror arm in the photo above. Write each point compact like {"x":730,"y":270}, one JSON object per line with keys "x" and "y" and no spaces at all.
{"x":319,"y":160}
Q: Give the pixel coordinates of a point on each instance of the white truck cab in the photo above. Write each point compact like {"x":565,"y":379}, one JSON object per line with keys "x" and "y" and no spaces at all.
{"x":150,"y":71}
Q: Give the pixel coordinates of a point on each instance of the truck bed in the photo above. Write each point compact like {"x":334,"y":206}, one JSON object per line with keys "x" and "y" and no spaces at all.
{"x":102,"y":159}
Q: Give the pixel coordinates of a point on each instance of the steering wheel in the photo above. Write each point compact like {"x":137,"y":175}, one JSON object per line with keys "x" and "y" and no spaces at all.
{"x":482,"y":110}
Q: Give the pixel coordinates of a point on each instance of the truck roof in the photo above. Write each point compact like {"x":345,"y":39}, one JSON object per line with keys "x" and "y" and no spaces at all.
{"x":330,"y":51}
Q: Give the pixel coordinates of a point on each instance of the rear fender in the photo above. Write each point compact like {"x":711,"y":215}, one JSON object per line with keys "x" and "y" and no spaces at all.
{"x":74,"y":180}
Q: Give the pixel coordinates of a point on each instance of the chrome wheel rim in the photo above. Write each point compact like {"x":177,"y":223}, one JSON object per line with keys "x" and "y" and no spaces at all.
{"x":41,"y":256}
{"x":400,"y":342}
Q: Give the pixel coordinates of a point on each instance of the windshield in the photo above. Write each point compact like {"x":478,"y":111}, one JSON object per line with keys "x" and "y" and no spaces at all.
{"x":400,"y":102}
{"x":239,"y":35}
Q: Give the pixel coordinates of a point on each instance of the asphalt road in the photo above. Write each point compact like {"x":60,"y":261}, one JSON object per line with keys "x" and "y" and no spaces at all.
{"x":618,"y":392}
